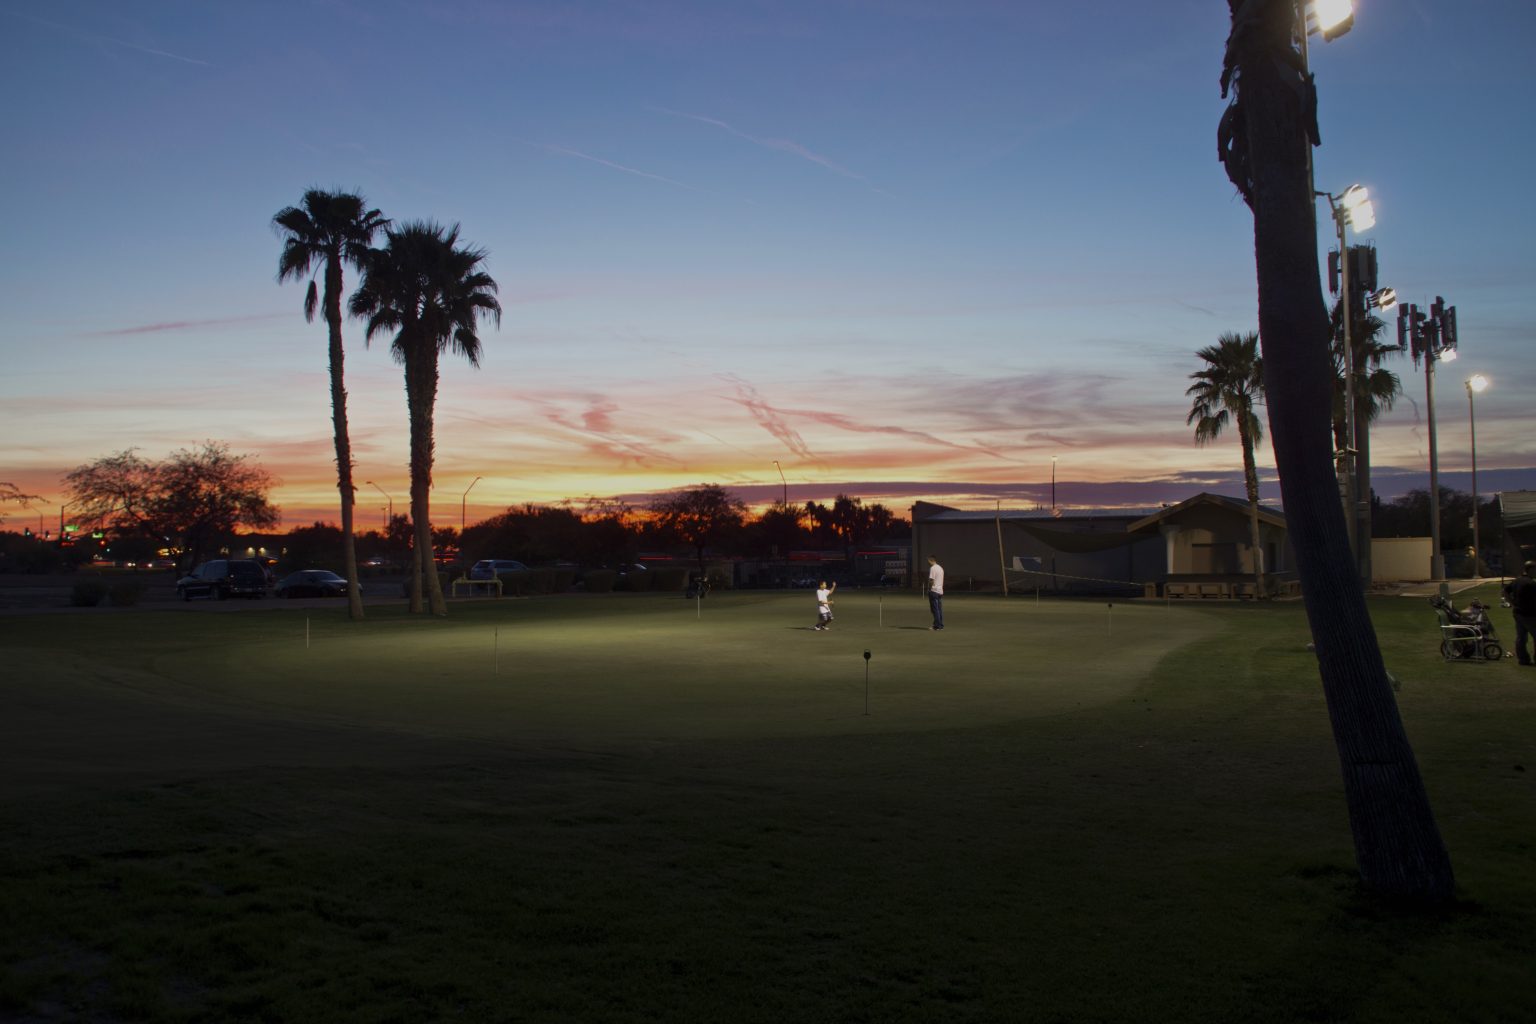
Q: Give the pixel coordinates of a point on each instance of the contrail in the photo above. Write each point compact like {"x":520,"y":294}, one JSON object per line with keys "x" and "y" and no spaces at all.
{"x":562,"y":151}
{"x":782,"y":145}
{"x":109,"y":39}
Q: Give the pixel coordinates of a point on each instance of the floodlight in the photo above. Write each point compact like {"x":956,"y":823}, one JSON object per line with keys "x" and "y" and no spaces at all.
{"x":1384,"y":300}
{"x":1363,"y":216}
{"x":1477,"y":382}
{"x":1332,"y":17}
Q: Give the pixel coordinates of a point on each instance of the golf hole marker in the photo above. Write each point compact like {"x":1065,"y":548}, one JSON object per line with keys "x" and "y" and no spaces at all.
{"x":866,"y":680}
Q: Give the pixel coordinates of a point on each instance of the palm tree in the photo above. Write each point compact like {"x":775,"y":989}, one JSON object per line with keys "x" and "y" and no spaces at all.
{"x":1226,"y":391}
{"x":327,"y":230}
{"x":431,"y":293}
{"x":1265,"y":141}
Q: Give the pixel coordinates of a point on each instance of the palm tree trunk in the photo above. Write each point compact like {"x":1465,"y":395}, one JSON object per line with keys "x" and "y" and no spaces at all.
{"x":1398,"y":847}
{"x":423,"y":398}
{"x":343,"y":441}
{"x":421,"y":474}
{"x":434,"y":581}
{"x":1251,"y":484}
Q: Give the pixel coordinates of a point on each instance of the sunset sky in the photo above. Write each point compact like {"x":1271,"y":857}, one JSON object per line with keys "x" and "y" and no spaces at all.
{"x":908,"y":249}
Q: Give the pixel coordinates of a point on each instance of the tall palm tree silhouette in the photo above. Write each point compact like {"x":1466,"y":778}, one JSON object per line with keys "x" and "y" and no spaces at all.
{"x":1228,"y":390}
{"x":431,"y":293}
{"x":1264,"y":140}
{"x":326,"y":231}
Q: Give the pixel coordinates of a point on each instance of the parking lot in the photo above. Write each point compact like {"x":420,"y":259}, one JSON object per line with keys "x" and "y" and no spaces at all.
{"x":22,"y":594}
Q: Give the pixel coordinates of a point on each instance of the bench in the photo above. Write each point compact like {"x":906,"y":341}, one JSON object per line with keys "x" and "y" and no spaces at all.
{"x":470,"y":585}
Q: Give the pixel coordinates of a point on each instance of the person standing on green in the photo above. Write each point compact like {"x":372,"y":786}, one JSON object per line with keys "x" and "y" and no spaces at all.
{"x":936,"y":592}
{"x":1522,"y":600}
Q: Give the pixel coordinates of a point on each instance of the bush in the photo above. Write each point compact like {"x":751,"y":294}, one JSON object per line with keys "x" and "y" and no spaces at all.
{"x":87,"y":593}
{"x":599,"y":581}
{"x":636,"y":580}
{"x":669,"y":578}
{"x":125,"y":593}
{"x":515,"y":582}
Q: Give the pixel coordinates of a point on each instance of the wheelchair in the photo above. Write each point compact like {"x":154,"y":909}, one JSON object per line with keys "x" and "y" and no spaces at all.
{"x":1466,"y":635}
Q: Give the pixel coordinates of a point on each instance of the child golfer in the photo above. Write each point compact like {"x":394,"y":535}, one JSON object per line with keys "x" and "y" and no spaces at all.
{"x":824,"y":606}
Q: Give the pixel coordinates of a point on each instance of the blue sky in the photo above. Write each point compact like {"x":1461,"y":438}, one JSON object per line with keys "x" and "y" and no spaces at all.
{"x":906,"y":249}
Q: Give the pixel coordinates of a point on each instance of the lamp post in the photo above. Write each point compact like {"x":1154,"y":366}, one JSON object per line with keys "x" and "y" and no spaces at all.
{"x":387,"y":498}
{"x":784,"y":482}
{"x":462,"y":499}
{"x":1053,"y":484}
{"x":1434,"y":339}
{"x":1476,"y":382}
{"x":1351,"y":208}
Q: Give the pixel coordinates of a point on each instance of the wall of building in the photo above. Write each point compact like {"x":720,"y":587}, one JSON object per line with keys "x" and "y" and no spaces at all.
{"x":1395,"y":559}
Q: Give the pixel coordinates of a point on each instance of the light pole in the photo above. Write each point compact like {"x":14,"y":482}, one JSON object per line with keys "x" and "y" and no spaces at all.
{"x":462,"y":498}
{"x":784,"y":482}
{"x":1476,"y":382}
{"x":1433,"y":339}
{"x":387,"y":498}
{"x":1053,"y":485}
{"x":1351,"y":208}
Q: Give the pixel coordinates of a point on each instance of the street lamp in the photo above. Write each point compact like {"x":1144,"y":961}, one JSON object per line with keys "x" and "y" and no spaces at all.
{"x":1053,"y":484}
{"x":1476,"y":382}
{"x":462,"y":498}
{"x":784,"y":482}
{"x":387,"y":498}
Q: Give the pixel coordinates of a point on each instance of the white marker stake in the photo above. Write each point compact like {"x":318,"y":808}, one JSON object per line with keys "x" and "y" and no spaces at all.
{"x":882,"y":611}
{"x":1110,"y":619}
{"x":496,"y":652}
{"x":306,"y":632}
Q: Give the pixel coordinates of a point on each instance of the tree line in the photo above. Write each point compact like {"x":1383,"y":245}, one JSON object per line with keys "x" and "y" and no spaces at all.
{"x":194,"y":502}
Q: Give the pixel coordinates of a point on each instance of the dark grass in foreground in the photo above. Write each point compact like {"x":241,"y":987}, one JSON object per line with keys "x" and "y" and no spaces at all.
{"x":626,"y":810}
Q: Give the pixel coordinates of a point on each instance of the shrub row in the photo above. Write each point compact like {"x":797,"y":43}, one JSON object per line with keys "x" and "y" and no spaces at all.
{"x":89,"y":593}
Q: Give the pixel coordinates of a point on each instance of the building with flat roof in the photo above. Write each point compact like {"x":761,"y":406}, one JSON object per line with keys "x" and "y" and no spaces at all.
{"x":1200,"y":547}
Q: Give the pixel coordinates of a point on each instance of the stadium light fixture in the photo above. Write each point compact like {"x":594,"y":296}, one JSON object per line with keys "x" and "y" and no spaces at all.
{"x":1358,"y":208}
{"x":1330,"y":18}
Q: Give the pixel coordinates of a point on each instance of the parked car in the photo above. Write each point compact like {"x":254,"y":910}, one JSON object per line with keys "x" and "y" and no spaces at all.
{"x":224,"y":577}
{"x":313,"y":583}
{"x":487,"y":568}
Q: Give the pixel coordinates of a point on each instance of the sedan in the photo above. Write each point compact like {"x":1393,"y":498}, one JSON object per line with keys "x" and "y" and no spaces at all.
{"x":313,"y":583}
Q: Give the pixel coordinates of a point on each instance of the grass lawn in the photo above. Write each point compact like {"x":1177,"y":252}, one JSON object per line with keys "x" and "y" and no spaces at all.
{"x":641,"y":808}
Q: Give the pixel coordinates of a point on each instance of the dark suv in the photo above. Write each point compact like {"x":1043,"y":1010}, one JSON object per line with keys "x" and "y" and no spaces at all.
{"x":224,"y":577}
